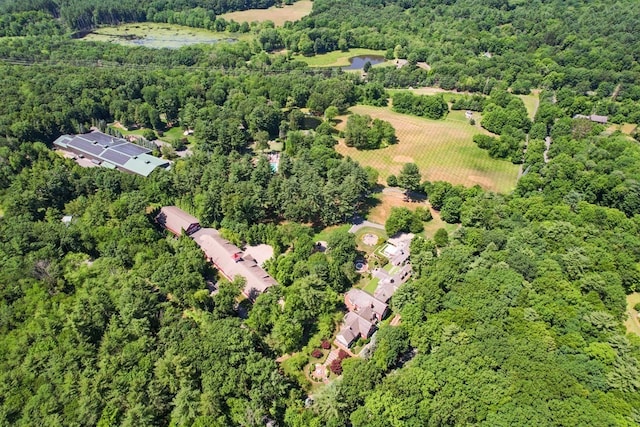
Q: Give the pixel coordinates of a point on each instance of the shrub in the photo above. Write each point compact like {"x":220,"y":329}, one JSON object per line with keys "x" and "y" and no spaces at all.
{"x":392,"y":181}
{"x":326,"y":344}
{"x":317,"y":353}
{"x":342,"y":354}
{"x":637,"y":307}
{"x":424,"y":214}
{"x":336,"y":367}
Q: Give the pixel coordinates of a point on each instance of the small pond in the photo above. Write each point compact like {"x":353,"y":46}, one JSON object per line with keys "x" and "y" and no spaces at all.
{"x":357,"y":62}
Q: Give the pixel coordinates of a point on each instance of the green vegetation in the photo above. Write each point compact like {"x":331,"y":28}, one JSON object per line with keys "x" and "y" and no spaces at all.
{"x":362,"y":132}
{"x":442,"y":149}
{"x":336,"y":58}
{"x":514,"y":311}
{"x":159,"y":35}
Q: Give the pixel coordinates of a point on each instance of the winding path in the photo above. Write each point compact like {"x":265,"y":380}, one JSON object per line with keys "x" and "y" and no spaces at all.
{"x":547,"y":144}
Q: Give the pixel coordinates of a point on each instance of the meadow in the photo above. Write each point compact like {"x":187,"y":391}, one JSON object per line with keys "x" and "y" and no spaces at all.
{"x":338,"y":58}
{"x":158,"y":35}
{"x":442,"y":149}
{"x":277,"y":15}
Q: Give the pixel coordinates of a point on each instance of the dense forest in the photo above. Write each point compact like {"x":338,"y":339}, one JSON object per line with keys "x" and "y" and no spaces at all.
{"x":513,"y":318}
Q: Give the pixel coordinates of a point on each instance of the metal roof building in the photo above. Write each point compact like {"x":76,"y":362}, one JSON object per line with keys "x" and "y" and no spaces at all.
{"x":231,"y":262}
{"x":177,"y":221}
{"x":111,"y":152}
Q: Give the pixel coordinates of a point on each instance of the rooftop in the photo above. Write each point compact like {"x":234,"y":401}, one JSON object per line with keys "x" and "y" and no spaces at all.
{"x":232,"y":262}
{"x":176,"y":220}
{"x":365,"y":305}
{"x":112,"y":152}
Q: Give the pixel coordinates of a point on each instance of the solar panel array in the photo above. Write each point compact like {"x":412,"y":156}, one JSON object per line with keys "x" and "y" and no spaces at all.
{"x":110,"y":150}
{"x":115,"y":157}
{"x":130,"y":149}
{"x":86,"y":146}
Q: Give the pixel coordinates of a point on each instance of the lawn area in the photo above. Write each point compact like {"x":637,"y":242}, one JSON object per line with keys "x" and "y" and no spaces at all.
{"x":531,"y":102}
{"x":175,"y":132}
{"x":137,"y":132}
{"x":323,"y":235}
{"x":337,"y":58}
{"x":443,"y":149}
{"x":159,"y":35}
{"x":633,"y":322}
{"x":382,"y":236}
{"x":370,"y":288}
{"x":277,"y":15}
{"x":436,"y":223}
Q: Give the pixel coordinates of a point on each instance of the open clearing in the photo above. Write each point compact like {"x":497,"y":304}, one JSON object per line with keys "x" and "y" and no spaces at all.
{"x":443,"y":150}
{"x":633,"y":322}
{"x":277,"y":15}
{"x":339,"y":58}
{"x":158,"y":35}
{"x":380,"y":213}
{"x":531,"y":102}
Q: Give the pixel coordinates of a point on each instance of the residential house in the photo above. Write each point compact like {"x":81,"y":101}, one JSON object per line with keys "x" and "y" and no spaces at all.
{"x":390,"y":283}
{"x":594,"y":118}
{"x":354,"y":327}
{"x":365,"y":305}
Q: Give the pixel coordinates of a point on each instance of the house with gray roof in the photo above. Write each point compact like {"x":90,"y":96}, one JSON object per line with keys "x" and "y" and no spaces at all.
{"x":389,"y":283}
{"x":111,"y":152}
{"x":354,"y":327}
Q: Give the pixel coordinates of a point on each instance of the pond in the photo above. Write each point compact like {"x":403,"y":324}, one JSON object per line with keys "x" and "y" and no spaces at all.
{"x":357,"y":62}
{"x":155,"y":35}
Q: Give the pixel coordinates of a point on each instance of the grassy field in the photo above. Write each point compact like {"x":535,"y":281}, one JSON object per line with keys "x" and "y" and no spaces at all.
{"x":323,"y":235}
{"x":633,"y":322}
{"x":158,"y":35}
{"x":277,"y":15}
{"x":443,"y":149}
{"x":338,"y":58}
{"x":531,"y":102}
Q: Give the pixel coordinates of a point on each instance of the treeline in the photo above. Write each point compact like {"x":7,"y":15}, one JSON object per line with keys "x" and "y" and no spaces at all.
{"x":432,"y":107}
{"x":87,"y":14}
{"x":29,"y":23}
{"x":522,"y":305}
{"x":587,"y":45}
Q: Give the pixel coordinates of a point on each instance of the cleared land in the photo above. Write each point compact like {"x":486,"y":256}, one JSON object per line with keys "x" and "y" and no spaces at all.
{"x":386,"y":201}
{"x":633,"y":322}
{"x":443,"y":149}
{"x":277,"y":15}
{"x":531,"y":102}
{"x":339,"y":58}
{"x":159,"y":35}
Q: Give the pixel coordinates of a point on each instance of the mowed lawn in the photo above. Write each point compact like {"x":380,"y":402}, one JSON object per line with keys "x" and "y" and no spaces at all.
{"x":633,"y":322}
{"x":443,"y":149}
{"x":277,"y":15}
{"x":338,"y":58}
{"x":531,"y":102}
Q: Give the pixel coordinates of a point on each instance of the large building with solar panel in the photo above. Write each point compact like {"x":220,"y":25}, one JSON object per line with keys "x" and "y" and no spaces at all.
{"x":111,"y":152}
